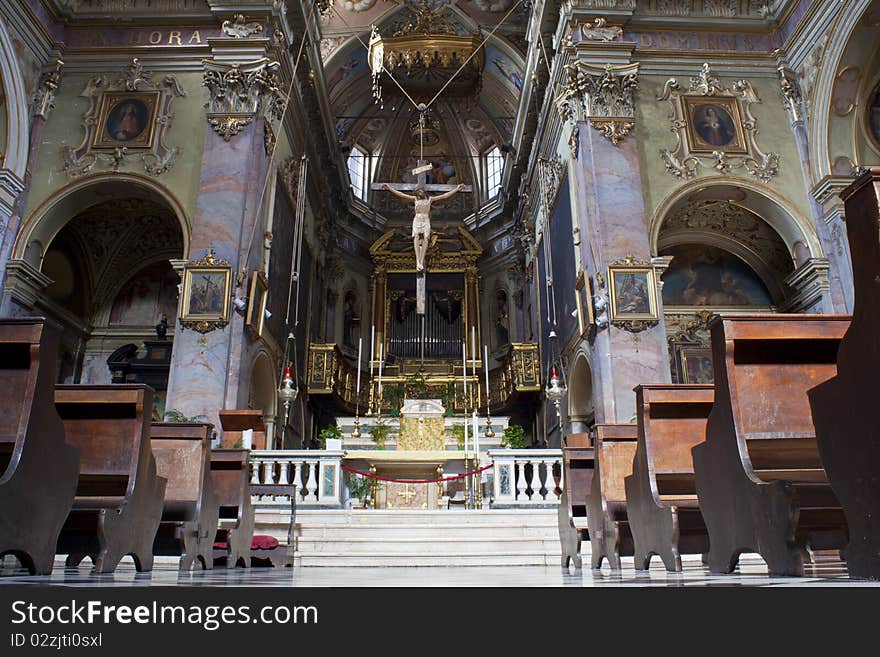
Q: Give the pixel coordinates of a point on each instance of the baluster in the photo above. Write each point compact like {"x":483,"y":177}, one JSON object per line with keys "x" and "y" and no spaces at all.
{"x":312,"y":483}
{"x":561,"y":478}
{"x":255,"y":472}
{"x":520,"y":480}
{"x":548,"y":479}
{"x":536,"y":481}
{"x":285,"y":471}
{"x":297,"y":478}
{"x":269,"y":472}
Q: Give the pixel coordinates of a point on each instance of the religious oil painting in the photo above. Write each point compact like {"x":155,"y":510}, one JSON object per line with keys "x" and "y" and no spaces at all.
{"x":584,"y":300}
{"x":872,"y":117}
{"x":127,"y":119}
{"x":206,"y":294}
{"x":714,"y":124}
{"x":257,"y":297}
{"x":703,"y":275}
{"x":633,"y":292}
{"x":696,"y":365}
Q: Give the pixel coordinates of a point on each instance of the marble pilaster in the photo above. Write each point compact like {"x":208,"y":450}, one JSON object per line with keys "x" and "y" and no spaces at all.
{"x":612,"y":221}
{"x":207,"y":369}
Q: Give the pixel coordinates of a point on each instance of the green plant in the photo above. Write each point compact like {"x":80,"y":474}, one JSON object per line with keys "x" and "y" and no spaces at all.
{"x":177,"y":417}
{"x":448,"y":398}
{"x":393,"y":394}
{"x":458,"y":432}
{"x":416,"y":386}
{"x":360,"y":487}
{"x":514,"y":437}
{"x":330,"y":431}
{"x":379,"y":433}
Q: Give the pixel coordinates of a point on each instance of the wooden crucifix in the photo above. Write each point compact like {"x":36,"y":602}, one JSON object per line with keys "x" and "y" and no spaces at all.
{"x":421,"y":229}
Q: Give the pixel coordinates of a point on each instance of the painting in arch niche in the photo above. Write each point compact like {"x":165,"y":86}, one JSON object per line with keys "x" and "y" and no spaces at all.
{"x":146,"y":296}
{"x":872,"y":116}
{"x":702,"y":275}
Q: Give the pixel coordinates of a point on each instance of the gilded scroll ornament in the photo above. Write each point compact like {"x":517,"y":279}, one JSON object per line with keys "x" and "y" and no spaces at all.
{"x":714,"y":127}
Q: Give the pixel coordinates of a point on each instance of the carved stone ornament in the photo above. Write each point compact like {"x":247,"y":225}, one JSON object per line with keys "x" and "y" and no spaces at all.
{"x":239,"y":28}
{"x":239,"y":91}
{"x":792,"y":98}
{"x":551,"y":173}
{"x":723,"y":140}
{"x":44,"y":97}
{"x":157,"y":157}
{"x":599,"y":30}
{"x":602,"y":96}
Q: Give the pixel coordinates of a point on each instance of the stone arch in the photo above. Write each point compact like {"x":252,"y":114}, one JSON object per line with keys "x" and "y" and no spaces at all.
{"x":42,"y":224}
{"x":581,"y":410}
{"x":17,"y":136}
{"x":821,"y":94}
{"x":775,"y":209}
{"x":753,"y":223}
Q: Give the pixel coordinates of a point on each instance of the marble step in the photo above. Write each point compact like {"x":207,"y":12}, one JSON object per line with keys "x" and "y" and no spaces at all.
{"x":428,"y":533}
{"x":454,"y":543}
{"x":508,"y":537}
{"x":510,"y":558}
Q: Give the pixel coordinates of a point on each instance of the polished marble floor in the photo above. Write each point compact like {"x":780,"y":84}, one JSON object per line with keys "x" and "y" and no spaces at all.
{"x":751,"y":573}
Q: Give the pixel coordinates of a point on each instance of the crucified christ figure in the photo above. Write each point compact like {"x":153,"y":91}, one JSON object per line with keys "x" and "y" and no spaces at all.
{"x":421,"y":229}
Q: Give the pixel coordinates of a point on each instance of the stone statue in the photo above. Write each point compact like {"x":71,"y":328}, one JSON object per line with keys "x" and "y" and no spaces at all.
{"x":162,"y":328}
{"x":421,"y":229}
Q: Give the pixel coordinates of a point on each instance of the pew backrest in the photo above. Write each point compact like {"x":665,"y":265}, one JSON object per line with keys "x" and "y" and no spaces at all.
{"x":672,"y":419}
{"x":230,"y":478}
{"x":766,"y":364}
{"x":615,"y":449}
{"x":111,"y":427}
{"x":20,"y":364}
{"x":183,"y":453}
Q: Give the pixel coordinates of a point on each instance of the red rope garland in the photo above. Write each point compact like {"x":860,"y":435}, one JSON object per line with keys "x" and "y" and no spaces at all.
{"x":417,"y":481}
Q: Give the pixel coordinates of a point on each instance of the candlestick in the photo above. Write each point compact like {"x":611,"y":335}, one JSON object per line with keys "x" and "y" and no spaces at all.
{"x":464,"y":369}
{"x":379,"y":387}
{"x":357,"y":392}
{"x":372,"y":349}
{"x":486,"y":372}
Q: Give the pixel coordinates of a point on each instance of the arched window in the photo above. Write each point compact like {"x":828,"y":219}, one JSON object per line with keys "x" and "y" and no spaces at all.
{"x":494,"y":169}
{"x":359,"y":172}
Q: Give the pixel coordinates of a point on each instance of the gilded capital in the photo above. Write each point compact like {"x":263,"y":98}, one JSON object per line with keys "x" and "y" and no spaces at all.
{"x":602,"y":96}
{"x":238,"y":92}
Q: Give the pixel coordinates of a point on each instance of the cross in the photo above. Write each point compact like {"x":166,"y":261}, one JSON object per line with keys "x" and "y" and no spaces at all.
{"x":421,"y":183}
{"x":421,"y":173}
{"x":406,"y":494}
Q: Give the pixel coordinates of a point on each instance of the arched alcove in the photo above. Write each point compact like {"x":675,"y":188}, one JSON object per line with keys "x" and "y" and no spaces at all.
{"x":580,"y":396}
{"x":263,"y":394}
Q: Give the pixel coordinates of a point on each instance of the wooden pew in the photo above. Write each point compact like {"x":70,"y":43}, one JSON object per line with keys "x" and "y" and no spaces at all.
{"x":38,"y":469}
{"x":843,"y":408}
{"x":610,"y":536}
{"x":578,"y":463}
{"x":281,"y":555}
{"x":190,"y":513}
{"x":759,"y":477}
{"x":661,"y":494}
{"x":231,"y":481}
{"x":119,"y":496}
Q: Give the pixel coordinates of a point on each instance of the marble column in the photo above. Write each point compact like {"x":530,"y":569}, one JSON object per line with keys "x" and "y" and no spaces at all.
{"x":612,"y":225}
{"x":837,"y":295}
{"x":207,"y":369}
{"x":21,"y":281}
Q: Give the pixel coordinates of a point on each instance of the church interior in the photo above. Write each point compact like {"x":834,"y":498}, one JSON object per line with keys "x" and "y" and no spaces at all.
{"x":439,"y":292}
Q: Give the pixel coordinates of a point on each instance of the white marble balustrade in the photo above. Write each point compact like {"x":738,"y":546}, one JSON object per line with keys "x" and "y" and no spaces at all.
{"x":526,"y":476}
{"x":316,"y":473}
